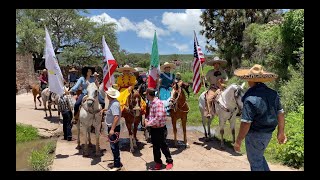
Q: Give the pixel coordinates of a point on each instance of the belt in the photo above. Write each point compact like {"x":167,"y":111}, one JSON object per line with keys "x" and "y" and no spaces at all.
{"x":158,"y":126}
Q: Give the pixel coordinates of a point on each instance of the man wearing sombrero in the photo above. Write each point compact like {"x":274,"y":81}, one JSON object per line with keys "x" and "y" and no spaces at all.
{"x":72,"y":77}
{"x":261,"y":113}
{"x":216,"y":78}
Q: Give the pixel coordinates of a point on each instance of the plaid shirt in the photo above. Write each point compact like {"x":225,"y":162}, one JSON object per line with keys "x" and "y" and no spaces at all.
{"x":65,"y":104}
{"x":157,"y":116}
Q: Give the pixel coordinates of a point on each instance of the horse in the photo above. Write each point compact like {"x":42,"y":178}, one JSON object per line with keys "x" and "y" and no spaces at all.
{"x":132,"y":115}
{"x":89,"y":115}
{"x":227,"y":105}
{"x":36,"y":91}
{"x":179,"y":109}
{"x":45,"y":95}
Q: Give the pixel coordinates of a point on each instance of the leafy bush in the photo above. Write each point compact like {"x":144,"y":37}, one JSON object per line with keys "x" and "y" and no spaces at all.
{"x":40,"y":160}
{"x":25,"y":133}
{"x":291,"y":153}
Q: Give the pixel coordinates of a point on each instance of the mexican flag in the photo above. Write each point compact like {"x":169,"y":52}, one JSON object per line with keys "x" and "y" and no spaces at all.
{"x":154,"y":64}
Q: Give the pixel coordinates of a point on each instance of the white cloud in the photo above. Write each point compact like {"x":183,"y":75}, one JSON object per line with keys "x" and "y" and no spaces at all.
{"x":183,"y":23}
{"x":181,"y":47}
{"x":145,"y":29}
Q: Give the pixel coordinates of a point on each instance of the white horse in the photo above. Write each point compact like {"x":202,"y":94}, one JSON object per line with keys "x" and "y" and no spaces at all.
{"x":45,"y":95}
{"x":90,"y":116}
{"x":227,"y":105}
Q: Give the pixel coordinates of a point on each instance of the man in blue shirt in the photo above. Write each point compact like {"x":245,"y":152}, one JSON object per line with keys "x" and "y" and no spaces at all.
{"x":261,"y":114}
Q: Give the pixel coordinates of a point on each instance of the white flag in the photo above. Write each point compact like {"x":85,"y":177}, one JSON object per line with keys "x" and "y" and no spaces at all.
{"x":55,"y":78}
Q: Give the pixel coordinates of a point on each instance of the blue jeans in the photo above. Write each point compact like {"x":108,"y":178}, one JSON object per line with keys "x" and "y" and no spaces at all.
{"x":78,"y":103}
{"x":115,"y":147}
{"x":67,"y":126}
{"x":256,"y":144}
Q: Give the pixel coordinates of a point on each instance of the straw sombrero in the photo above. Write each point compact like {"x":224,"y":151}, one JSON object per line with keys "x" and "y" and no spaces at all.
{"x":255,"y":74}
{"x":113,"y":92}
{"x":126,"y":67}
{"x":73,"y":70}
{"x":139,"y":69}
{"x":166,"y":64}
{"x":216,"y":60}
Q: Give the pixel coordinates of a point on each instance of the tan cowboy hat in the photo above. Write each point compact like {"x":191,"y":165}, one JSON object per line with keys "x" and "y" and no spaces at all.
{"x":73,"y":70}
{"x":216,"y":60}
{"x":255,"y":74}
{"x":166,"y":64}
{"x":113,"y":92}
{"x":139,"y":69}
{"x":44,"y":70}
{"x":126,"y":67}
{"x":95,"y":74}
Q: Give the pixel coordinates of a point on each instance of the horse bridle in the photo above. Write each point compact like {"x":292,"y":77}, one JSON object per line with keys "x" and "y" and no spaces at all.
{"x":131,"y":111}
{"x":86,"y":98}
{"x":175,"y":105}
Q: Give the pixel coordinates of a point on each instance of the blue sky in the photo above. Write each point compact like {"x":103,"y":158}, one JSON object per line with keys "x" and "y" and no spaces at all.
{"x":135,"y":28}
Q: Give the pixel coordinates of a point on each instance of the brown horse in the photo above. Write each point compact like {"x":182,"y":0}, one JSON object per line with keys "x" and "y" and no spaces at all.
{"x":179,"y":109}
{"x":132,"y":115}
{"x":36,"y":91}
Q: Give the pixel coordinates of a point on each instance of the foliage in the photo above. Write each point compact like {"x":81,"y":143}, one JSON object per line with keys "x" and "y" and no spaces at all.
{"x":226,"y":27}
{"x":25,"y":133}
{"x":291,"y":153}
{"x":76,"y":36}
{"x":40,"y":160}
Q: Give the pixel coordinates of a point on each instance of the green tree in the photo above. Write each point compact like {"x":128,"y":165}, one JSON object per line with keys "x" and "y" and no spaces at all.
{"x":226,"y":27}
{"x":76,"y":36}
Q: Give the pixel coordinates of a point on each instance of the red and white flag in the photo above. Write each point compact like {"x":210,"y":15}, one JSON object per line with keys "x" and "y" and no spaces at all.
{"x":109,"y":66}
{"x":196,"y":65}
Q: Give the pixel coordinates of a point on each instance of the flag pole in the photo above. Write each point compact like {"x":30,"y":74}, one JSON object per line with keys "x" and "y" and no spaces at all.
{"x":201,"y":70}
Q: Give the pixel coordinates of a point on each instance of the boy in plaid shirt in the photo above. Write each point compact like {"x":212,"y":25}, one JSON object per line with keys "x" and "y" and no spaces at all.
{"x":65,"y":108}
{"x":157,"y":122}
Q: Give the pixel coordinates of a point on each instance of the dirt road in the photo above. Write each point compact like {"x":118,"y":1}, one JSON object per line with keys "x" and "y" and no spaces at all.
{"x":201,"y":156}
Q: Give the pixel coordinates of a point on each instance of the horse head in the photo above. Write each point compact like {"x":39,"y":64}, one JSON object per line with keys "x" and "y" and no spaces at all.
{"x":134,"y":102}
{"x":177,"y":95}
{"x":233,"y":95}
{"x":92,"y":96}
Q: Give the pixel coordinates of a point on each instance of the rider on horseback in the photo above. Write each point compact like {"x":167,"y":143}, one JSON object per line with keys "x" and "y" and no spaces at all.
{"x":216,"y":78}
{"x":43,"y":79}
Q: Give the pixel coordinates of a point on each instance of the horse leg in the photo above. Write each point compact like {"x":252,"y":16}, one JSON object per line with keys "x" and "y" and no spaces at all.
{"x":233,"y":131}
{"x":89,"y":136}
{"x":39,"y":100}
{"x":85,"y":152}
{"x":204,"y":125}
{"x":78,"y":141}
{"x":49,"y":108}
{"x":97,"y":130}
{"x":129,"y":126}
{"x":209,"y":124}
{"x":45,"y":107}
{"x":35,"y":104}
{"x":135,"y":129}
{"x":174,"y":125}
{"x":221,"y":124}
{"x":184,"y":127}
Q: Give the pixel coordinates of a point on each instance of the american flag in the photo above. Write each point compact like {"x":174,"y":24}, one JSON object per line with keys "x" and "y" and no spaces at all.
{"x":109,"y":66}
{"x":196,"y":65}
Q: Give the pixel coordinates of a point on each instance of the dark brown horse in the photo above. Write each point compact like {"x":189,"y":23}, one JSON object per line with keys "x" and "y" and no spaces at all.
{"x":132,"y":115}
{"x":179,"y":109}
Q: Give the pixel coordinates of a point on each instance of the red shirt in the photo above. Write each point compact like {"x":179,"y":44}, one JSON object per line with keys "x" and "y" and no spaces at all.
{"x":43,"y":78}
{"x":157,"y":116}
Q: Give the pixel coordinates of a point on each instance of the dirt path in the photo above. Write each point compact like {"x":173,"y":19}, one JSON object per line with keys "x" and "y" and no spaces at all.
{"x":201,"y":156}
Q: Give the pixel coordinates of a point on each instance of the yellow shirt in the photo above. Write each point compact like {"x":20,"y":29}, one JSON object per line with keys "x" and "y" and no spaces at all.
{"x":124,"y":81}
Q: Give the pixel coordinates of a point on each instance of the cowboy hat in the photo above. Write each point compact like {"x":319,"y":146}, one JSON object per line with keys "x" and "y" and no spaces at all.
{"x":126,"y":67}
{"x":44,"y":70}
{"x":95,"y":74}
{"x":216,"y":60}
{"x":113,"y":92}
{"x":73,"y":70}
{"x":166,"y":64}
{"x":255,"y":74}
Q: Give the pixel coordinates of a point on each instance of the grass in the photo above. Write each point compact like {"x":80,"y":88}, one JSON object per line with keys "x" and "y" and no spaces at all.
{"x":40,"y":160}
{"x":26,"y":133}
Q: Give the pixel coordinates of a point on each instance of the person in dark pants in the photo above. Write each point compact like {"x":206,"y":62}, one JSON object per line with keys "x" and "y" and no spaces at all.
{"x":65,"y":108}
{"x":261,"y":114}
{"x":112,"y":121}
{"x":157,"y":122}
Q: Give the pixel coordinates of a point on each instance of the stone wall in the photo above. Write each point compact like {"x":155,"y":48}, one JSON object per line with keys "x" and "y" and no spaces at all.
{"x":25,"y":74}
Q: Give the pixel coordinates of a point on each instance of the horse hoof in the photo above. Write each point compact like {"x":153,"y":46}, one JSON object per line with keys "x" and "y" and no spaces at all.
{"x":222,"y":147}
{"x":187,"y":145}
{"x":90,"y":144}
{"x":35,"y":108}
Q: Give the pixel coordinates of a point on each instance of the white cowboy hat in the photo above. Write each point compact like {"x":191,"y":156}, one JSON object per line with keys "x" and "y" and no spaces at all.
{"x":126,"y":67}
{"x":73,"y":70}
{"x":216,"y":60}
{"x":139,"y":69}
{"x":255,"y":74}
{"x":166,"y":64}
{"x":44,"y":70}
{"x":113,"y":92}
